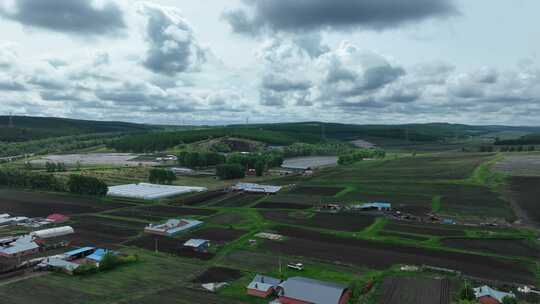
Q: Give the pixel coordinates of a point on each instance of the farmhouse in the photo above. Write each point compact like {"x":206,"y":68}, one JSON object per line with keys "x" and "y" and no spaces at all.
{"x":262,"y":286}
{"x":256,"y":188}
{"x":298,"y":290}
{"x":486,"y":295}
{"x":172,"y":227}
{"x":151,"y":191}
{"x":21,"y":246}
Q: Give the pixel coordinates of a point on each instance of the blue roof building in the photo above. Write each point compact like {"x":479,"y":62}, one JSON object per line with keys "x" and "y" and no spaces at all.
{"x":376,"y":205}
{"x":79,"y":253}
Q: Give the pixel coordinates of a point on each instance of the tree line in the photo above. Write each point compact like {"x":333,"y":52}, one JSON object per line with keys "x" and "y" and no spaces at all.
{"x":359,"y":155}
{"x":77,"y":184}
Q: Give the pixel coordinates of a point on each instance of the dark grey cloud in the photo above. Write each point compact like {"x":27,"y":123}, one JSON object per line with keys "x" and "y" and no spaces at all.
{"x":80,"y":17}
{"x":308,"y":15}
{"x":172,"y":47}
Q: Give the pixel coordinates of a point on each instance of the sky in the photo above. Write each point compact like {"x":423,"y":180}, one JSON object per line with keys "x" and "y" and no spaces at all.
{"x":228,"y":61}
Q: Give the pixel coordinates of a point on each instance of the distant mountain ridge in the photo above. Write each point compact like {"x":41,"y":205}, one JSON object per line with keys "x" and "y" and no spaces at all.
{"x":25,"y":128}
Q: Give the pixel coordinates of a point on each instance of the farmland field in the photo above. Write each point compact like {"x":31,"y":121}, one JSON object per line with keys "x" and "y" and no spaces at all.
{"x":239,"y":200}
{"x":313,"y":190}
{"x":342,"y":222}
{"x":381,"y":255}
{"x":159,"y":212}
{"x":525,"y":192}
{"x":424,"y":229}
{"x":507,"y":247}
{"x":415,"y":290}
{"x":37,"y":204}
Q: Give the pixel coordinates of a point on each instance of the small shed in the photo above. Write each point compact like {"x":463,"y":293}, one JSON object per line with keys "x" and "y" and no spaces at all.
{"x":198,"y":245}
{"x":262,"y":286}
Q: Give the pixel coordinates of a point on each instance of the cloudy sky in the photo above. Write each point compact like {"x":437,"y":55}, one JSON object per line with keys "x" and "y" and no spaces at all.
{"x":222,"y":61}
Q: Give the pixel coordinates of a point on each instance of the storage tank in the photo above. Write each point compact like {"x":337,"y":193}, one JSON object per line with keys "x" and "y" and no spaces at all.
{"x":53,"y":232}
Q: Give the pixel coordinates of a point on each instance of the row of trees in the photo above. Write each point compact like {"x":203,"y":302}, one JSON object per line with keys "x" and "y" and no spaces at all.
{"x":76,"y":184}
{"x":30,"y":180}
{"x":86,"y":185}
{"x":359,"y":155}
{"x":321,"y":149}
{"x":161,"y":176}
{"x":200,"y":159}
{"x":508,"y":149}
{"x":55,"y":167}
{"x":57,"y":145}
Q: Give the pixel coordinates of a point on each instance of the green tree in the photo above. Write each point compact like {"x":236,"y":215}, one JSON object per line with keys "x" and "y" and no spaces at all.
{"x":259,"y":168}
{"x":87,"y":185}
{"x":109,"y":261}
{"x":161,"y":176}
{"x":467,"y":292}
{"x":230,"y":171}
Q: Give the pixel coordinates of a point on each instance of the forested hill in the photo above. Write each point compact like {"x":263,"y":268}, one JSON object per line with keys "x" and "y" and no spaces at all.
{"x":30,"y":128}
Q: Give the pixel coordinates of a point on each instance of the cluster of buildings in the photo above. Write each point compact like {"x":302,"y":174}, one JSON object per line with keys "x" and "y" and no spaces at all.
{"x":6,"y":220}
{"x":298,"y":290}
{"x":18,"y":246}
{"x":69,"y":261}
{"x":172,"y":227}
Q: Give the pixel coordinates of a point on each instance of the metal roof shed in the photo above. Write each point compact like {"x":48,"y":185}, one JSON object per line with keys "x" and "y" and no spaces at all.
{"x":312,"y":291}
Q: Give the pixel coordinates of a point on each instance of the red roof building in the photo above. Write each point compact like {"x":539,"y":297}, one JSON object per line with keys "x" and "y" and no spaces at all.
{"x":58,"y":218}
{"x":488,"y":300}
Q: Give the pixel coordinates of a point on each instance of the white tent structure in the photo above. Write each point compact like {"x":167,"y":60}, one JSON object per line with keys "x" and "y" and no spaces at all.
{"x":151,"y":191}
